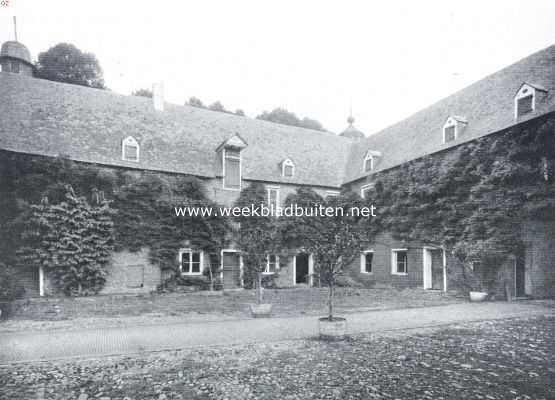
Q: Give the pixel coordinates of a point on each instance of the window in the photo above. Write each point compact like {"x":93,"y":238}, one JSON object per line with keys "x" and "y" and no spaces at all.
{"x":366,"y":259}
{"x":232,"y":168}
{"x":368,"y":163}
{"x":453,"y":128}
{"x":370,"y":159}
{"x":449,"y":133}
{"x":332,"y":193}
{"x":273,"y":197}
{"x":527,"y":98}
{"x":130,"y":149}
{"x":190,"y":262}
{"x":287,"y":168}
{"x":399,"y":262}
{"x":364,"y":190}
{"x":272,"y":264}
{"x":15,"y":67}
{"x":525,"y":105}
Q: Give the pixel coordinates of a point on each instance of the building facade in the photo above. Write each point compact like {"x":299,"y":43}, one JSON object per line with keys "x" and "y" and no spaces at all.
{"x":228,"y":152}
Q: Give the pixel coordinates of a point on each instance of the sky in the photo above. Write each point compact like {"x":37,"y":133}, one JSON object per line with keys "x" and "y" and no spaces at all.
{"x":315,"y":58}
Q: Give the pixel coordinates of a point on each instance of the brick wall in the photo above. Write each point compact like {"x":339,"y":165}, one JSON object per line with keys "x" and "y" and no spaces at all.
{"x":381,"y":264}
{"x":131,"y":272}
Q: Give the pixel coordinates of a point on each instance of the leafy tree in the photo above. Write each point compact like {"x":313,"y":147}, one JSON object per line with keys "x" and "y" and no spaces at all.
{"x":239,"y":112}
{"x":66,"y":63}
{"x":72,"y":240}
{"x":217,"y":106}
{"x":334,"y":241}
{"x":282,"y":116}
{"x":146,"y":218}
{"x":142,"y":92}
{"x":257,"y":236}
{"x":195,"y":102}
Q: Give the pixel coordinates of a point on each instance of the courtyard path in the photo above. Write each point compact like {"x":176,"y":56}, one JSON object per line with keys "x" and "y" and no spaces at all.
{"x":32,"y":346}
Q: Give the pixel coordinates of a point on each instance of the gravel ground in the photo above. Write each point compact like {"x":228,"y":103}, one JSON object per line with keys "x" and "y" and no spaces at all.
{"x":507,"y":359}
{"x":168,"y":308}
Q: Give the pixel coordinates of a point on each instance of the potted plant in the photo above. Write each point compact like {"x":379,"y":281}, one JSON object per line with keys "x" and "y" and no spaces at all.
{"x":334,"y":242}
{"x":257,"y":240}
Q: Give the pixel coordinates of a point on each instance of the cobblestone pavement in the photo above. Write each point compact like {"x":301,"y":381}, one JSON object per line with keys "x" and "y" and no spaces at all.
{"x":491,"y":360}
{"x":23,"y":346}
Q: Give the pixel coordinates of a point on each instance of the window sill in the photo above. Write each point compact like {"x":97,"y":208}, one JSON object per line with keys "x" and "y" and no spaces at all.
{"x":191,"y":273}
{"x":268,"y":273}
{"x":366,"y":273}
{"x":400,"y":273}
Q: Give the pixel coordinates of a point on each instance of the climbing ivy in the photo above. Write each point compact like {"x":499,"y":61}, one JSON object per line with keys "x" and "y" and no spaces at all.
{"x":473,"y":199}
{"x":142,"y":202}
{"x":72,"y":240}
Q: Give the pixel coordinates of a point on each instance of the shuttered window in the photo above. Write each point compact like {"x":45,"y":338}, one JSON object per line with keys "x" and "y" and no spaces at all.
{"x":524,"y":105}
{"x":130,"y":153}
{"x":232,"y":169}
{"x":449,"y":133}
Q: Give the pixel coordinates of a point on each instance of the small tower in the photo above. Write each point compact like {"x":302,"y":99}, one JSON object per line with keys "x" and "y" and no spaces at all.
{"x":15,"y":57}
{"x":351,"y":132}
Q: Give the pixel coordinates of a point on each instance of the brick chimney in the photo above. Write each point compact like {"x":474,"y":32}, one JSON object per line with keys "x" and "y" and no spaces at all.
{"x":158,"y":96}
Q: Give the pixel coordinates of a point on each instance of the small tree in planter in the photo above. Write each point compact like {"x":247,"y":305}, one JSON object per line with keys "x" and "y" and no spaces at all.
{"x":334,"y":241}
{"x":257,"y":239}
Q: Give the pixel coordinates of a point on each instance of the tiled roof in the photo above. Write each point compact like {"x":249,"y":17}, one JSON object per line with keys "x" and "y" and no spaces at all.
{"x":487,"y":107}
{"x":49,"y":118}
{"x":84,"y":124}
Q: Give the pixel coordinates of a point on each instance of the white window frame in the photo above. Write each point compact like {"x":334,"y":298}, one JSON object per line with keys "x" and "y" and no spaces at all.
{"x":451,"y":123}
{"x":130,"y":141}
{"x":267,"y":270}
{"x":525,"y":91}
{"x":268,"y":190}
{"x":201,"y":259}
{"x":240,"y":170}
{"x":364,"y":188}
{"x":363,"y":262}
{"x":394,"y":262}
{"x":287,"y":163}
{"x":332,"y":193}
{"x":368,"y":157}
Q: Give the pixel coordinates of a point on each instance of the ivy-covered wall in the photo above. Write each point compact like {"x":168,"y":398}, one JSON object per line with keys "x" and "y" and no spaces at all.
{"x":478,"y":200}
{"x":147,"y":234}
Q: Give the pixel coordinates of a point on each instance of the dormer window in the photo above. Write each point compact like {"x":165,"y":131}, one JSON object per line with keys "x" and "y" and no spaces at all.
{"x":526,"y":99}
{"x":130,"y":149}
{"x":370,"y":160}
{"x":231,"y":162}
{"x":453,"y":128}
{"x":287,"y":168}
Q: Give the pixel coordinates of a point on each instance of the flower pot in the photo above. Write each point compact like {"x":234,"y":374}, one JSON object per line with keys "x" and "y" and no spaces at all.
{"x":478,"y":296}
{"x":332,"y":330}
{"x":261,"y":310}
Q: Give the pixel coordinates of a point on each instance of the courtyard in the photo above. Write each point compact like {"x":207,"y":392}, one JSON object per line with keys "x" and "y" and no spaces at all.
{"x":510,"y":358}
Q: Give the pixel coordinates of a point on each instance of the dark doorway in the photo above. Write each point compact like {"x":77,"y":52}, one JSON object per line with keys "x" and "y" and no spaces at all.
{"x":301,"y":268}
{"x":520,"y":276}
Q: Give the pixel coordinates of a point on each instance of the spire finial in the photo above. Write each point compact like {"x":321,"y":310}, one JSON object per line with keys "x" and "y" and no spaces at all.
{"x":351,"y":119}
{"x":15,"y":27}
